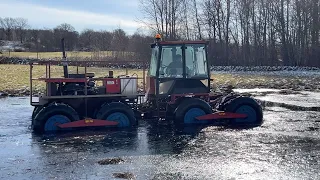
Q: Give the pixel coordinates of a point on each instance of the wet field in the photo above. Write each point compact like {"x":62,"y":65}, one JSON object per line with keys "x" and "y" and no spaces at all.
{"x":286,"y":146}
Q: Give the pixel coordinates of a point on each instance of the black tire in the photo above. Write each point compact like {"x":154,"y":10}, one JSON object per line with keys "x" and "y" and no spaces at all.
{"x":117,"y":107}
{"x":51,"y":110}
{"x":186,"y":105}
{"x":36,"y":110}
{"x":245,"y":105}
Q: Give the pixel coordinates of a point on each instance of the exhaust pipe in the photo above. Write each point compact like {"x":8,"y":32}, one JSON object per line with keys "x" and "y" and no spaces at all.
{"x":64,"y":58}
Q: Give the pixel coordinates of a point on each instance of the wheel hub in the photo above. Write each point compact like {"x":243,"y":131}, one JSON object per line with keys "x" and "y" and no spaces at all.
{"x":53,"y":121}
{"x":249,"y":111}
{"x":119,"y":117}
{"x":191,"y":114}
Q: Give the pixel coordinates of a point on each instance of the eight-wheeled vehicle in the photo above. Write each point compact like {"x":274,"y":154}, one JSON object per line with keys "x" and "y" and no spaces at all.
{"x":176,"y":87}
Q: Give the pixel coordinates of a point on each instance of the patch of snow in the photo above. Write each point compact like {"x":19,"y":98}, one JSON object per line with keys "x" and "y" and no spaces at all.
{"x":267,"y":70}
{"x":258,"y":90}
{"x":305,"y":99}
{"x":11,"y":45}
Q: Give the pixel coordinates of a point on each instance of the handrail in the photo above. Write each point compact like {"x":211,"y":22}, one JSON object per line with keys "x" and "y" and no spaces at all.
{"x":80,"y":79}
{"x":47,"y":77}
{"x":89,"y":61}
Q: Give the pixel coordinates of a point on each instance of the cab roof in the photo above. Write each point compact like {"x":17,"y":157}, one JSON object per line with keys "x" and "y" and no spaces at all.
{"x":181,"y":42}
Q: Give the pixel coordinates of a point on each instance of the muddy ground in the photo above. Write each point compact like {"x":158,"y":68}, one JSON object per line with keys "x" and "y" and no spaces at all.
{"x":286,"y":146}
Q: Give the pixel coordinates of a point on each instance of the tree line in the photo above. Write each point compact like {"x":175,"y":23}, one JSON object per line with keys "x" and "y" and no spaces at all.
{"x":242,"y":32}
{"x":49,"y":40}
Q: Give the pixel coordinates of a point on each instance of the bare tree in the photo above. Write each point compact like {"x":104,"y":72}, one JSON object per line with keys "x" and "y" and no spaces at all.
{"x":20,"y":25}
{"x":198,"y":26}
{"x":68,"y":32}
{"x":139,"y":44}
{"x":163,"y":16}
{"x":227,"y":33}
{"x":8,"y":24}
{"x":119,"y":43}
{"x":66,"y":27}
{"x":315,"y":29}
{"x":86,"y":39}
{"x":241,"y":32}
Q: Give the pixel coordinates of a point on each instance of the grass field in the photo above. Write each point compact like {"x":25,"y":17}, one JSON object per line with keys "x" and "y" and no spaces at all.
{"x":16,"y":77}
{"x":47,"y":55}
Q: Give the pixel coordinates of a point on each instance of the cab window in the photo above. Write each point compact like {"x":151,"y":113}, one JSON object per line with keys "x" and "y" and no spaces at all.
{"x":153,"y":63}
{"x":196,"y":62}
{"x":171,"y":61}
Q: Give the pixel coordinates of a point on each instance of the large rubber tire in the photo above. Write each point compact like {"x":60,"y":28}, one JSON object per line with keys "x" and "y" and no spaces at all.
{"x":36,"y":110}
{"x":190,"y":108}
{"x":245,"y":105}
{"x":54,"y":113}
{"x":119,"y":112}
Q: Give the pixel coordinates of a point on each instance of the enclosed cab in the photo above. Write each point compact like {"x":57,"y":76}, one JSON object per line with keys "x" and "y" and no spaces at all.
{"x":178,"y":67}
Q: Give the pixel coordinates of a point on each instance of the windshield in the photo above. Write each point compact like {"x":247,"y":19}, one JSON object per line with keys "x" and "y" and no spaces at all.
{"x":171,"y":62}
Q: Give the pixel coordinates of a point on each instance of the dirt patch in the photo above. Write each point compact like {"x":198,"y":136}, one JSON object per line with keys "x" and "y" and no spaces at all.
{"x":110,"y":161}
{"x":167,"y":176}
{"x":125,"y":175}
{"x":288,"y":91}
{"x":313,"y":128}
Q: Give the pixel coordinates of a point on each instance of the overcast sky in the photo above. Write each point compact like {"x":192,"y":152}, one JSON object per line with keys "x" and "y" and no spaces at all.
{"x":81,"y":14}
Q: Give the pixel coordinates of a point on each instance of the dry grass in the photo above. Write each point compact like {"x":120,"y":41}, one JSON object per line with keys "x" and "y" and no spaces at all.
{"x":239,"y":80}
{"x":47,"y":55}
{"x":268,"y":81}
{"x":14,"y":77}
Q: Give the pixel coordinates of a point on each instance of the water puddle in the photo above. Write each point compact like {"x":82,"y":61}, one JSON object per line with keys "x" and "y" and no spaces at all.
{"x":293,"y":100}
{"x":288,"y":139}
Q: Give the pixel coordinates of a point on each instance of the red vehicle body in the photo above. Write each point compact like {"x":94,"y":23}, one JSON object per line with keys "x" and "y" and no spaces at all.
{"x":177,"y":87}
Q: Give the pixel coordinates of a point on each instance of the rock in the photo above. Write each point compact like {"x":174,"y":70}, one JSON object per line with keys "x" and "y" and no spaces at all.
{"x":4,"y":94}
{"x":110,"y":161}
{"x":307,"y":87}
{"x":286,"y":92}
{"x":313,"y":128}
{"x":284,"y":87}
{"x":125,"y":175}
{"x":272,"y":85}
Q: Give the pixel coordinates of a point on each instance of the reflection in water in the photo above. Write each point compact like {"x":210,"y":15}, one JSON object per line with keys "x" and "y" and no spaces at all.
{"x":147,"y":139}
{"x":74,"y":151}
